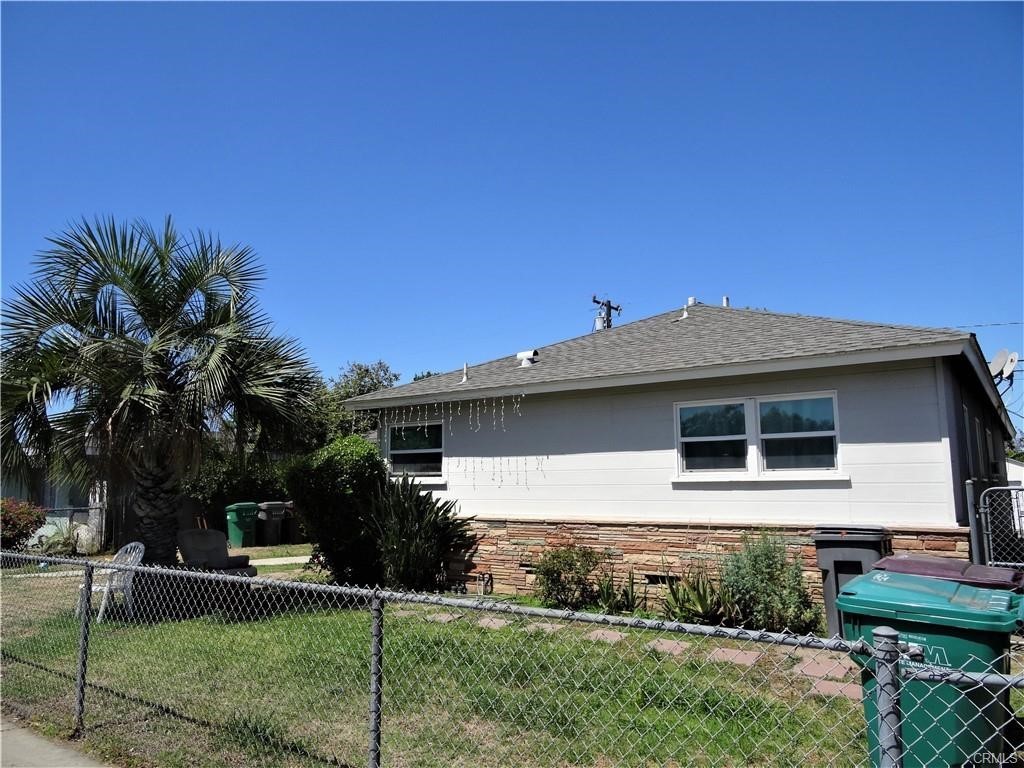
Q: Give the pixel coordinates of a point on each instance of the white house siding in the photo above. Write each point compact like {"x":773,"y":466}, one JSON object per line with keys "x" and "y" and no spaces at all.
{"x":611,"y":456}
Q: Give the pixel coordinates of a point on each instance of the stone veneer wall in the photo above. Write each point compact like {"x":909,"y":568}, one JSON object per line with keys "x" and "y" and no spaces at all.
{"x":507,"y":549}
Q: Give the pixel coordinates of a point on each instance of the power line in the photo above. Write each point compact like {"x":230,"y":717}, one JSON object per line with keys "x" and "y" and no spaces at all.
{"x":988,"y":325}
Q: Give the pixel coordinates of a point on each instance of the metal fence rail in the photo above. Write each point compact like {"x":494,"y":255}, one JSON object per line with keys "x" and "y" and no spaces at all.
{"x":1001,"y":518}
{"x":199,"y":668}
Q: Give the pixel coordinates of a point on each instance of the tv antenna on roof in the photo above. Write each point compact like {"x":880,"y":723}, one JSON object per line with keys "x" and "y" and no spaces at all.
{"x":995,"y":368}
{"x":1011,"y":364}
{"x":604,"y":319}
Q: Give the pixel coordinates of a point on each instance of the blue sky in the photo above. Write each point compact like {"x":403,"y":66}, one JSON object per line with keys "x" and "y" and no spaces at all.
{"x":433,"y":184}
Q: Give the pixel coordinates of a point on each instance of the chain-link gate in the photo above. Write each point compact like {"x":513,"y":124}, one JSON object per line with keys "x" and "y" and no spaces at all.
{"x":1001,"y":519}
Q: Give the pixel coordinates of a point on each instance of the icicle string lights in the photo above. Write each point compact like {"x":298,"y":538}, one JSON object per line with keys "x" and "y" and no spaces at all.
{"x":420,"y":416}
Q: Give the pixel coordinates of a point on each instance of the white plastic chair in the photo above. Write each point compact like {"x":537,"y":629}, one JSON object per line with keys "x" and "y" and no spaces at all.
{"x":117,"y":580}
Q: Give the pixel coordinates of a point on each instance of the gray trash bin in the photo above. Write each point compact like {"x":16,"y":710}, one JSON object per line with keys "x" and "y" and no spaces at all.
{"x":271,"y":514}
{"x":845,"y":552}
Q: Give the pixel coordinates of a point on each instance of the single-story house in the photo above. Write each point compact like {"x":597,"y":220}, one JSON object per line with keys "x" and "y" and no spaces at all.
{"x":1014,"y":472}
{"x":668,"y":438}
{"x":64,"y":502}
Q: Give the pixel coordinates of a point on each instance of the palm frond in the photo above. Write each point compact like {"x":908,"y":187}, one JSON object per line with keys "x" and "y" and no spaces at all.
{"x":145,"y":336}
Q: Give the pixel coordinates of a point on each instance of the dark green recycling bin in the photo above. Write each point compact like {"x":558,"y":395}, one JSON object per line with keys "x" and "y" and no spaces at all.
{"x":241,"y":519}
{"x":956,"y":626}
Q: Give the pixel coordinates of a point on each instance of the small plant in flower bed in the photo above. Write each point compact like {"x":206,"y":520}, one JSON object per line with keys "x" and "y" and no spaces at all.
{"x":62,"y":541}
{"x":610,"y":599}
{"x":564,"y":576}
{"x":697,"y":599}
{"x":18,"y":521}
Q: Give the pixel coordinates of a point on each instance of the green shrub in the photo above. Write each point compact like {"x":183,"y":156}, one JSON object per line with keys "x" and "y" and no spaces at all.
{"x":333,"y":490}
{"x":18,"y":521}
{"x":768,"y":587}
{"x":414,"y":535}
{"x":697,"y":599}
{"x":563,"y":576}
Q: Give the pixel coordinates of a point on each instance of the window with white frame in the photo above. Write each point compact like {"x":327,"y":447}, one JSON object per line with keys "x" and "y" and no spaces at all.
{"x":798,"y":433}
{"x":416,"y":449}
{"x":713,"y":436}
{"x":778,"y":433}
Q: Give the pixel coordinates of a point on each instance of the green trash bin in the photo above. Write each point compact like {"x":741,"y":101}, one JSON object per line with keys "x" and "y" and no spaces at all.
{"x":956,"y":626}
{"x":241,"y":520}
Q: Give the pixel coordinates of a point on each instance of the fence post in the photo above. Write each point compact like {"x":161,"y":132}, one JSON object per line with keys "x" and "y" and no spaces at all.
{"x":85,"y":615}
{"x":376,"y":675}
{"x":887,"y":696}
{"x":974,"y":523}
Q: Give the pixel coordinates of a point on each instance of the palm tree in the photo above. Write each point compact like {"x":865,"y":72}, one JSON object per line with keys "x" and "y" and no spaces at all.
{"x":125,"y":349}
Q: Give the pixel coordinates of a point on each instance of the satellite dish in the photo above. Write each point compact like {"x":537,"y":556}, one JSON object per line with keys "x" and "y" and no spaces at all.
{"x":1011,"y":363}
{"x":995,"y":368}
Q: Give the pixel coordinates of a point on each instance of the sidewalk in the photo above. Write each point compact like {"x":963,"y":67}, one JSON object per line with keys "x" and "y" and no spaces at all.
{"x":23,"y":748}
{"x":299,"y":559}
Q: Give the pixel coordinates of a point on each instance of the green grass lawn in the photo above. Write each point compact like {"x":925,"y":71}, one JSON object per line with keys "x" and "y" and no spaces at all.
{"x":291,"y":689}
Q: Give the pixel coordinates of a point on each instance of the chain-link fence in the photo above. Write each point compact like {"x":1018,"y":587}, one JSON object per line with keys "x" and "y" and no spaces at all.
{"x":204,"y":669}
{"x":1001,"y":517}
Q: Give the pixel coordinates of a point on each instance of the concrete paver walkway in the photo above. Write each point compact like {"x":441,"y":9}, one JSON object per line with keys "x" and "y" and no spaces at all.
{"x":23,"y":748}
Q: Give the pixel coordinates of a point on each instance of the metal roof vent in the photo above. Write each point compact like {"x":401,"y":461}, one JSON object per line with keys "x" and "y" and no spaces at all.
{"x":691,"y":301}
{"x":527,"y":358}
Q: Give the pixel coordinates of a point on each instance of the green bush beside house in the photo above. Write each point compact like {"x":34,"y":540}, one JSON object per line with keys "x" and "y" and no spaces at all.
{"x":768,"y":587}
{"x":333,"y":489}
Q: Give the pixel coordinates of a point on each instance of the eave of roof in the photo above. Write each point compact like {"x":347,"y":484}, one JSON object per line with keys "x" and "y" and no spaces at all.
{"x":658,"y":377}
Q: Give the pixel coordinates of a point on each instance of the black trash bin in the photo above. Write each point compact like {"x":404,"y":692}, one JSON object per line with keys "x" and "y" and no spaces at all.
{"x":845,"y":552}
{"x":292,"y":531}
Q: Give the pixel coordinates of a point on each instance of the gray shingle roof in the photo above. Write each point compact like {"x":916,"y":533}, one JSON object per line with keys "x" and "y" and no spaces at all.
{"x":707,"y":336}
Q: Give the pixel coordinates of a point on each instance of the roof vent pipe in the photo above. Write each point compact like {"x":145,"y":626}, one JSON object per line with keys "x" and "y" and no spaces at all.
{"x":691,"y":301}
{"x":725,"y":301}
{"x":527,"y":357}
{"x":465,"y":373}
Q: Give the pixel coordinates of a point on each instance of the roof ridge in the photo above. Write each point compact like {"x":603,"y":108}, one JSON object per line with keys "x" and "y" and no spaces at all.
{"x":613,"y":329}
{"x":844,"y":320}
